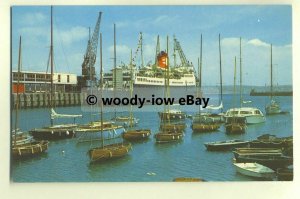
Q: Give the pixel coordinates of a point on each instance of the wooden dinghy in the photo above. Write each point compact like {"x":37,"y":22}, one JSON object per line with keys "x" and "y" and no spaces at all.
{"x":205,"y":127}
{"x":107,"y":152}
{"x":186,"y":179}
{"x":257,"y":152}
{"x":254,"y":170}
{"x":29,"y":149}
{"x":136,"y":134}
{"x":173,"y":127}
{"x":235,"y":128}
{"x":224,"y":145}
{"x":168,"y":136}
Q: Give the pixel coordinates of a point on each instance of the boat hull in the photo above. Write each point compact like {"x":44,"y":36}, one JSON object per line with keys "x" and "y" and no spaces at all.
{"x":202,"y":128}
{"x":285,"y":174}
{"x":254,"y":170}
{"x":172,"y":116}
{"x":235,"y":128}
{"x":85,"y":135}
{"x":222,"y":146}
{"x":108,"y":152}
{"x":172,"y":127}
{"x":136,"y":135}
{"x":168,"y":137}
{"x":30,"y":149}
{"x":49,"y":133}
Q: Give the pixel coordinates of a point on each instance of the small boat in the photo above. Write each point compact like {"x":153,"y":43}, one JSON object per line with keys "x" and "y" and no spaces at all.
{"x":172,"y":126}
{"x":133,"y":134}
{"x":136,"y":134}
{"x":235,"y":128}
{"x":285,"y":174}
{"x":252,"y":115}
{"x":272,"y":141}
{"x":92,"y":131}
{"x":186,"y":179}
{"x":257,"y":152}
{"x":168,"y":136}
{"x":224,"y":145}
{"x":23,"y":145}
{"x":108,"y":152}
{"x":273,"y":162}
{"x":29,"y":149}
{"x":172,"y":114}
{"x":205,"y":127}
{"x":125,"y":121}
{"x":54,"y":132}
{"x":254,"y":170}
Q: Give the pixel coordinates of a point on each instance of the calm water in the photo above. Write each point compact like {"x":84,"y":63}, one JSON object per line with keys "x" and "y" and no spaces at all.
{"x":147,"y":161}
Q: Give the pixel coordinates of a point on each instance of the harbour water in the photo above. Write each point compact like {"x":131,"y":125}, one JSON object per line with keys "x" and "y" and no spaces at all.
{"x":67,"y":160}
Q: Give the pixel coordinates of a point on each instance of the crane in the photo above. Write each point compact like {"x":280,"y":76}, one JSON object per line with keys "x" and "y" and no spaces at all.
{"x":88,"y":69}
{"x":183,"y":59}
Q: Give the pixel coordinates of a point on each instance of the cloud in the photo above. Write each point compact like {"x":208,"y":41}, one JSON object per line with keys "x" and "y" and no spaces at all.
{"x":33,"y":18}
{"x":258,"y":42}
{"x":76,"y":33}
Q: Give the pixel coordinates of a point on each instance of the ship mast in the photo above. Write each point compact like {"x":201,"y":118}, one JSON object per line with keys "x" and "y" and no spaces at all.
{"x":131,"y":88}
{"x":157,"y":50}
{"x":200,"y":72}
{"x":115,"y":67}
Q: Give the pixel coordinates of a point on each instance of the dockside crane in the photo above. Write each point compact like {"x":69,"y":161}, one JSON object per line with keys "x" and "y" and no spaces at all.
{"x":177,"y":47}
{"x":88,"y":69}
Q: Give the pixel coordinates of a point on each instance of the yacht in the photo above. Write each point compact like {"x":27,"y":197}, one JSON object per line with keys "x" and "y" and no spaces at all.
{"x":252,"y":115}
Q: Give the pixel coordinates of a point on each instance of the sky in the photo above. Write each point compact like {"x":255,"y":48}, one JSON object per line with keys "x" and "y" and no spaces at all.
{"x":258,"y":26}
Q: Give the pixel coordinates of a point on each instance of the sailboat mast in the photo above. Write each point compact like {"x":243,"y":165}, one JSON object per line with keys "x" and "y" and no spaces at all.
{"x":241,"y":84}
{"x":51,"y":64}
{"x":142,"y":57}
{"x":101,"y":90}
{"x":131,"y":87}
{"x":271,"y":74}
{"x":18,"y":97}
{"x":115,"y":67}
{"x":168,"y":76}
{"x":234,"y":82}
{"x":221,"y":71}
{"x":199,"y":71}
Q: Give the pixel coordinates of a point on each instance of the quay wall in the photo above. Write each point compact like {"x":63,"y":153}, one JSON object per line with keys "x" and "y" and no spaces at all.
{"x":42,"y":100}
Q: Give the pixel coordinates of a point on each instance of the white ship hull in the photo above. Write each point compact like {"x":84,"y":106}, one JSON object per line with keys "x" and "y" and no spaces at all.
{"x":155,"y":81}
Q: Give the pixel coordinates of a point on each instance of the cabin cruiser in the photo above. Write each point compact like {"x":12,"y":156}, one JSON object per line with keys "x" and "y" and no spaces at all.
{"x":252,"y":115}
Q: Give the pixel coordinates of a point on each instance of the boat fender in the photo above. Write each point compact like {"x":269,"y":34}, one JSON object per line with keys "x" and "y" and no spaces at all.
{"x":126,"y":150}
{"x":173,"y":137}
{"x":178,"y":137}
{"x":41,"y":148}
{"x":52,"y":132}
{"x":180,"y":116}
{"x":32,"y":150}
{"x":110,"y":154}
{"x":143,"y":135}
{"x":19,"y":151}
{"x":67,"y":132}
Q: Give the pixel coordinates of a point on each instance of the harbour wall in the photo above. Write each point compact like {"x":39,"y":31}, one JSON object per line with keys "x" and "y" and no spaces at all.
{"x":42,"y":100}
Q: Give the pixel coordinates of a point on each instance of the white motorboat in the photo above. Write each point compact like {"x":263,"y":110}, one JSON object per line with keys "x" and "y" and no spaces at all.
{"x":254,"y":170}
{"x":252,"y":115}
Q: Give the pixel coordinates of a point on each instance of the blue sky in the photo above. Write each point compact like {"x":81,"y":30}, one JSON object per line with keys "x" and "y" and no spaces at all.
{"x":259,"y":26}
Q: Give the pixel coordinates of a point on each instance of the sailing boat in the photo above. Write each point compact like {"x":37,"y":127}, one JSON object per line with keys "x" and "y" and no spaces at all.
{"x":168,"y":132}
{"x":55,"y":132}
{"x":273,"y":107}
{"x":123,"y":120}
{"x":205,"y":122}
{"x":235,"y":124}
{"x":111,"y":151}
{"x":134,"y":134}
{"x":91,"y":131}
{"x":24,"y":145}
{"x":252,"y":115}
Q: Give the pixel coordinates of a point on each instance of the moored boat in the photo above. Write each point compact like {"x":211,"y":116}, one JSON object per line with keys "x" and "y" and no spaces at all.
{"x":172,"y":115}
{"x":225,"y":145}
{"x":168,"y":136}
{"x":205,"y":127}
{"x":273,"y":162}
{"x":254,"y":170}
{"x":136,"y":134}
{"x":29,"y":149}
{"x":180,"y":127}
